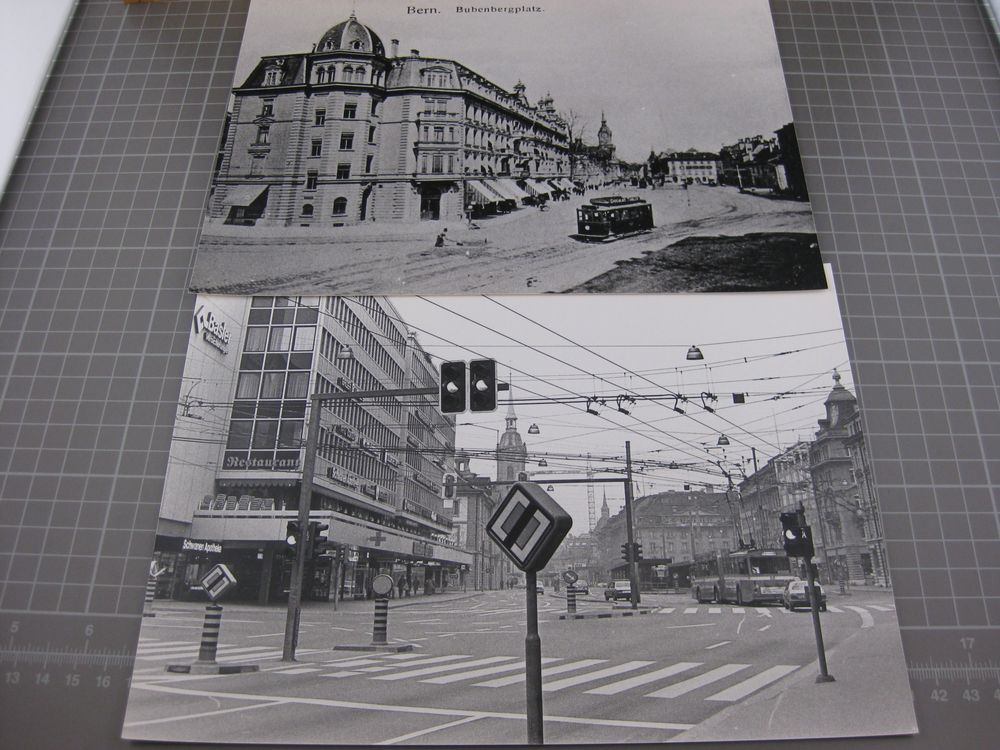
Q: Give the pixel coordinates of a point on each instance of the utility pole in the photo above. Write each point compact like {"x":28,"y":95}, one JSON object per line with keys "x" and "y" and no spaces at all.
{"x":633,"y":565}
{"x":316,"y":402}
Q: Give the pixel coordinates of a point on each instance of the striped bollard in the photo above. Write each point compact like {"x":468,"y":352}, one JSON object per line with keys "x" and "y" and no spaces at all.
{"x":571,"y":599}
{"x":147,"y":605}
{"x":210,"y":634}
{"x":380,"y":631}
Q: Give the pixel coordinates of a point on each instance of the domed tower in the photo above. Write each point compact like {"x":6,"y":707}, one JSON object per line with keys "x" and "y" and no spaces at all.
{"x":513,"y":453}
{"x":604,"y":136}
{"x":350,"y":35}
{"x":840,"y":405}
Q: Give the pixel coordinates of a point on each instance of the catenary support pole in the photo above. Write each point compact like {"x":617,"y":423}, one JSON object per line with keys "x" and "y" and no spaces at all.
{"x":633,"y":564}
{"x":533,"y":664}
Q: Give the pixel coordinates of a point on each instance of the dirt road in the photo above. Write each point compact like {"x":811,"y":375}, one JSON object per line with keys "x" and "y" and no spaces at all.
{"x":527,"y":251}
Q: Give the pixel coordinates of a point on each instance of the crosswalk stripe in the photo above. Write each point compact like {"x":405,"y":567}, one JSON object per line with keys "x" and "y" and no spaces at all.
{"x":296,"y":670}
{"x":690,"y":610}
{"x":402,"y":657}
{"x":443,"y":668}
{"x":665,"y":610}
{"x":193,"y":651}
{"x":714,"y":675}
{"x":504,"y":681}
{"x":383,"y":668}
{"x":738,"y":610}
{"x":485,"y":671}
{"x":357,"y":663}
{"x":880,"y":608}
{"x":784,"y":611}
{"x":762,"y":611}
{"x":579,"y":679}
{"x":835,"y":610}
{"x":161,"y":644}
{"x":259,"y":656}
{"x":867,"y":621}
{"x":622,"y":685}
{"x":715,"y":610}
{"x":743,"y":689}
{"x":432,"y":660}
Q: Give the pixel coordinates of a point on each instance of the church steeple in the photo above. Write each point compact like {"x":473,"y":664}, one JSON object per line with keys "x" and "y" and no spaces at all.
{"x":512,"y":452}
{"x":605,"y":510}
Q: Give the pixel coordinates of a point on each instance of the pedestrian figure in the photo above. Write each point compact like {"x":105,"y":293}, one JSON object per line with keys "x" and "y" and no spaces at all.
{"x":399,"y":585}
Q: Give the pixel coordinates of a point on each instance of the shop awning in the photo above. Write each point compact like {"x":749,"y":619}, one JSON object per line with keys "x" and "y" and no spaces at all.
{"x":243,"y":195}
{"x":567,"y":184}
{"x":480,"y":193}
{"x":498,"y":187}
{"x":514,"y":189}
{"x":539,"y":189}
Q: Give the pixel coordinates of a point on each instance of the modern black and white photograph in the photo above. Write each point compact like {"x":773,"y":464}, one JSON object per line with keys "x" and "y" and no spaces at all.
{"x":485,"y":520}
{"x":586,"y":146}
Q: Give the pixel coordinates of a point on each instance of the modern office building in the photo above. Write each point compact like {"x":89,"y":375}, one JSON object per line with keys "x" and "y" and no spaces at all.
{"x":351,"y":132}
{"x":235,"y":466}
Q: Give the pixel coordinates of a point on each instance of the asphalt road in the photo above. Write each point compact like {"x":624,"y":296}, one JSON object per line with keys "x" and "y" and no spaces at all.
{"x":645,"y":678}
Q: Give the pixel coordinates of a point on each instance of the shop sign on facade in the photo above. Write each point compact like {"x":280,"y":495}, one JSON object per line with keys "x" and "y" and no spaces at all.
{"x":214,"y":331}
{"x":347,"y":432}
{"x":423,"y":549}
{"x":201,"y":547}
{"x":341,"y":476}
{"x":241,"y":462}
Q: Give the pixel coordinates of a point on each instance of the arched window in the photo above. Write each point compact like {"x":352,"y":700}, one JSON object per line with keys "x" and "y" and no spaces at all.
{"x":332,"y":71}
{"x":340,"y":206}
{"x":348,"y":72}
{"x":307,"y":209}
{"x":359,"y":74}
{"x":321,"y":75}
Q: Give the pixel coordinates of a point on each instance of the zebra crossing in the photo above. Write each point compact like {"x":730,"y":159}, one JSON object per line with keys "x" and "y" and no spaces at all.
{"x":768,"y":611}
{"x":725,"y":683}
{"x":152,"y":651}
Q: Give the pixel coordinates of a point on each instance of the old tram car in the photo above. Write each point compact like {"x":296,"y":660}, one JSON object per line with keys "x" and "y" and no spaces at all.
{"x":612,"y":217}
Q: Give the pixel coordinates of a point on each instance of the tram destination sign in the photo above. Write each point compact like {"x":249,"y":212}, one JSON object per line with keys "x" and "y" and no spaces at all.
{"x":529,"y":526}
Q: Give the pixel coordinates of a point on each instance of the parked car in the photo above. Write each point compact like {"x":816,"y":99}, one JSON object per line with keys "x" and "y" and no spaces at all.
{"x":796,"y":594}
{"x":618,"y":590}
{"x":582,"y":587}
{"x":539,"y":588}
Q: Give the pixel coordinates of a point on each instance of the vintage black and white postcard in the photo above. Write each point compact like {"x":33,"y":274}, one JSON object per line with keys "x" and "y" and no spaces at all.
{"x":384,"y":611}
{"x":584,"y":146}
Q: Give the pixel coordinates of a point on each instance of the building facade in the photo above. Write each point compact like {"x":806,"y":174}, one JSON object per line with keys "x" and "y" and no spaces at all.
{"x":234,"y":472}
{"x":351,"y":133}
{"x":781,"y":485}
{"x":868,"y":505}
{"x":685,"y":168}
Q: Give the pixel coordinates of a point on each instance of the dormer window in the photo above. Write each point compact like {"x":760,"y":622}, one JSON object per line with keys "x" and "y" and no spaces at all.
{"x":273,"y":75}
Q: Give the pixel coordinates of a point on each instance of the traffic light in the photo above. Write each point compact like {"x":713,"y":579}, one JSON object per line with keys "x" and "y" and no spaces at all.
{"x":448,"y":482}
{"x":625,"y":552}
{"x":482,"y":385}
{"x":293,"y":539}
{"x":318,"y":540}
{"x":453,"y":387}
{"x":796,"y":537}
{"x":638,"y":550}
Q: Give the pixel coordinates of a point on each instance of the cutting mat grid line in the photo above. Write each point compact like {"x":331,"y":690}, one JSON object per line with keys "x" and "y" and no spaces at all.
{"x":897,"y":110}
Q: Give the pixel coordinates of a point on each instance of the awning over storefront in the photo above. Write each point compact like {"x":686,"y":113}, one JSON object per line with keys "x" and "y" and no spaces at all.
{"x":539,"y":189}
{"x":243,"y":195}
{"x":567,"y":184}
{"x":480,"y":193}
{"x":512,"y":187}
{"x":498,"y":187}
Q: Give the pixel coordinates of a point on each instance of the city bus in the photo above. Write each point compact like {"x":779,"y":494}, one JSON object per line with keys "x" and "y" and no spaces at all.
{"x":612,"y":217}
{"x":756,"y":576}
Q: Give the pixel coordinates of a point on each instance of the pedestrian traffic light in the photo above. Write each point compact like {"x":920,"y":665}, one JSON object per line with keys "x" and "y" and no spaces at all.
{"x":482,"y":385}
{"x":453,"y":387}
{"x":638,"y":550}
{"x":625,"y":552}
{"x":293,"y":538}
{"x":796,"y":537}
{"x":448,"y":482}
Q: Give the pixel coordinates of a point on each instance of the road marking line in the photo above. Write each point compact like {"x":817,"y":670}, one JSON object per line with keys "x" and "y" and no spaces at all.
{"x":193,"y":650}
{"x":715,"y":610}
{"x":622,"y":685}
{"x":403,"y":657}
{"x":296,"y":670}
{"x":680,"y":688}
{"x":743,"y":689}
{"x":880,"y":608}
{"x":421,"y":622}
{"x":346,"y":630}
{"x":376,"y":669}
{"x":762,"y":611}
{"x":164,"y":644}
{"x":266,"y":635}
{"x":423,"y":659}
{"x":690,"y":610}
{"x":738,"y":610}
{"x":276,"y":701}
{"x":665,"y":610}
{"x":344,"y":673}
{"x":395,"y":708}
{"x":716,"y":645}
{"x":784,"y":611}
{"x":429,"y":730}
{"x":836,"y":610}
{"x":761,"y":630}
{"x":505,"y":681}
{"x":485,"y":671}
{"x":443,"y":668}
{"x":579,"y":679}
{"x":867,"y":621}
{"x":260,"y":656}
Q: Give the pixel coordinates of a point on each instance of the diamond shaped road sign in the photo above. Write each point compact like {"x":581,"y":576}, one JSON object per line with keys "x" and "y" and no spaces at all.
{"x":528,"y":526}
{"x":217,"y":581}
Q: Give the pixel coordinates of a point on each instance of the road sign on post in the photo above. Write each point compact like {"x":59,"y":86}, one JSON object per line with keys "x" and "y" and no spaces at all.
{"x":218,"y":581}
{"x":528,"y":526}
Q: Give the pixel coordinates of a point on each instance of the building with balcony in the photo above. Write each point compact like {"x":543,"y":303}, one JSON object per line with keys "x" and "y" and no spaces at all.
{"x":351,"y":133}
{"x":779,"y":486}
{"x":234,"y":471}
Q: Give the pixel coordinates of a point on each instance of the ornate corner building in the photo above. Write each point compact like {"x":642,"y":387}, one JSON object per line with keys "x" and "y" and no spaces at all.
{"x":350,"y":133}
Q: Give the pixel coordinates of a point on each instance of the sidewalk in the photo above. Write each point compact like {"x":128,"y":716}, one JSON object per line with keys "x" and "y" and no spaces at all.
{"x":352,"y":606}
{"x":856,"y":704}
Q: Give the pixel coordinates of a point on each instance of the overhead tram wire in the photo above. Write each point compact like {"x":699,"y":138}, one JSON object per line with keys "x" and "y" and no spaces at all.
{"x":625,"y":369}
{"x":542,"y":380}
{"x":529,"y":375}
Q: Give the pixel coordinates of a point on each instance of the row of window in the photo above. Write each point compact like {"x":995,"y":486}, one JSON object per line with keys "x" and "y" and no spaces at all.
{"x":371,"y":305}
{"x":354,"y":370}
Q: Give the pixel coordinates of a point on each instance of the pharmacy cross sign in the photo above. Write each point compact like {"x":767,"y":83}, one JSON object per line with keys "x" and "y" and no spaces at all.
{"x":528,"y":526}
{"x":378,"y":538}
